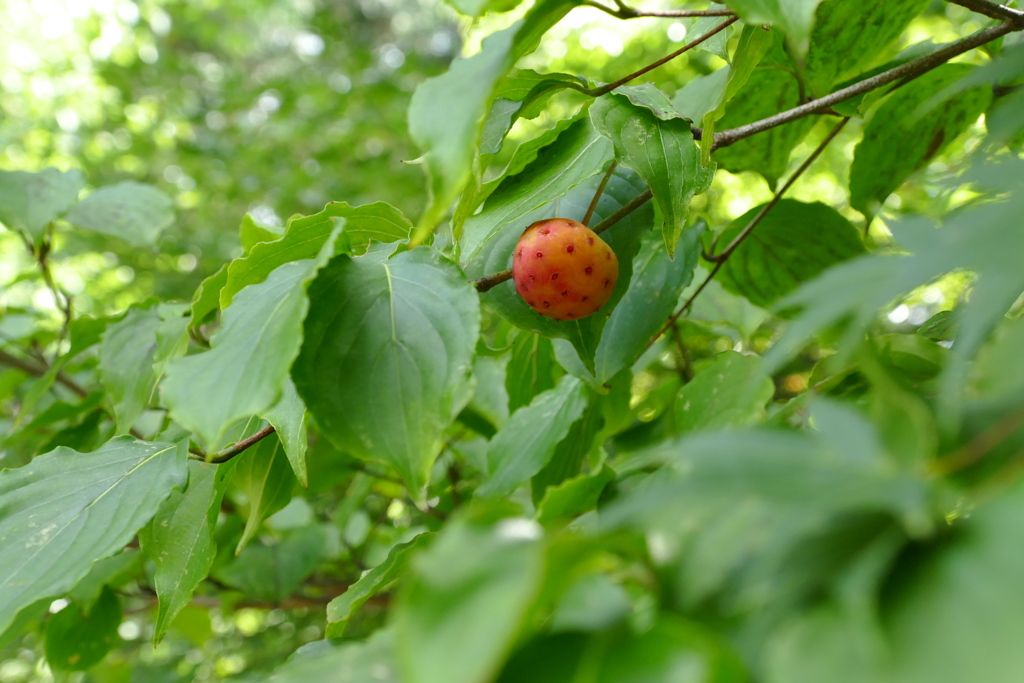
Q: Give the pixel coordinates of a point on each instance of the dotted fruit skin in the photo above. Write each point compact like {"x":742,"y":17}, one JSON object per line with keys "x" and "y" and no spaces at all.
{"x":563,"y":270}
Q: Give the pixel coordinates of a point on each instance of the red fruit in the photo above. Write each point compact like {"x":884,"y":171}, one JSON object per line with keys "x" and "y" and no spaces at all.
{"x":563,"y":270}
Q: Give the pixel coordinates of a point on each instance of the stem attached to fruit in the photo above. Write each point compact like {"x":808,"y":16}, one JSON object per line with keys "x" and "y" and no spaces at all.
{"x":597,"y":194}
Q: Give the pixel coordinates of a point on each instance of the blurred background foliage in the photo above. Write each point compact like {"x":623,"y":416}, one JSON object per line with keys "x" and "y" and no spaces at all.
{"x":276,"y":107}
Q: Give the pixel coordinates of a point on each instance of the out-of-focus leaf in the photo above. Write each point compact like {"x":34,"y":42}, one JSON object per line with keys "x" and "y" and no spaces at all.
{"x":387,"y":345}
{"x":661,"y":150}
{"x":126,"y":364}
{"x":447,"y":112}
{"x":904,"y":134}
{"x":65,"y":510}
{"x":274,"y":572}
{"x":29,"y":201}
{"x":731,"y":392}
{"x":130,"y":211}
{"x":475,"y":8}
{"x":792,"y":244}
{"x":341,"y":609}
{"x":75,"y":641}
{"x":328,"y":661}
{"x":528,"y":439}
{"x":794,"y":17}
{"x":262,"y":472}
{"x":244,"y":371}
{"x":460,"y":611}
{"x":252,"y":231}
{"x":111,"y":571}
{"x":573,"y":496}
{"x":942,"y":326}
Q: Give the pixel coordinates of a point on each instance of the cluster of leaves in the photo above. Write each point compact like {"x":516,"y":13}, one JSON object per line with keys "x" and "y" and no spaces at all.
{"x":737,"y":470}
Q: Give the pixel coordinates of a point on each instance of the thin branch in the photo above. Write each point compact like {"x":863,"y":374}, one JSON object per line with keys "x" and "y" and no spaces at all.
{"x":993,"y":10}
{"x":60,"y":298}
{"x":715,"y":258}
{"x":37,"y":369}
{"x":978,"y":447}
{"x":603,"y":90}
{"x":908,"y":71}
{"x":624,"y":12}
{"x":597,"y":194}
{"x":222,"y":456}
{"x":720,"y":260}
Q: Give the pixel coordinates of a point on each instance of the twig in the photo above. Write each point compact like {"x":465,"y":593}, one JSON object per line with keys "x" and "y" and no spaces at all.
{"x":624,"y":12}
{"x":222,"y":456}
{"x":605,"y":89}
{"x":975,"y":449}
{"x":909,"y":70}
{"x":993,"y":10}
{"x":597,"y":193}
{"x":720,"y":259}
{"x":37,"y":369}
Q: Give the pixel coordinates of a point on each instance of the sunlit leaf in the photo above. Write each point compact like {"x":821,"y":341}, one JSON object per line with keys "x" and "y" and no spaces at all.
{"x":29,"y":201}
{"x":130,"y":211}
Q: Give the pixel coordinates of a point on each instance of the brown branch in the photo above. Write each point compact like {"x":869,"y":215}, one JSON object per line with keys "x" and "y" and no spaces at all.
{"x":906,"y":71}
{"x":222,"y":456}
{"x":37,"y":369}
{"x":624,"y":12}
{"x":605,"y":89}
{"x":993,"y":10}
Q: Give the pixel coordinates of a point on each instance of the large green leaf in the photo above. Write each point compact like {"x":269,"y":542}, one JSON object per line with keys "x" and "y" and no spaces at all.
{"x":849,"y":37}
{"x":306,"y":236}
{"x":341,"y":608}
{"x":130,"y":211}
{"x":650,"y":300}
{"x":263,"y":475}
{"x":244,"y":371}
{"x":179,"y":541}
{"x":126,"y":364}
{"x":527,"y":441}
{"x":792,"y":244}
{"x":661,"y":150}
{"x":65,"y":510}
{"x":387,"y":344}
{"x":29,"y":201}
{"x":577,"y":154}
{"x":731,"y":392}
{"x":908,"y":130}
{"x":447,"y":112}
{"x":460,"y":611}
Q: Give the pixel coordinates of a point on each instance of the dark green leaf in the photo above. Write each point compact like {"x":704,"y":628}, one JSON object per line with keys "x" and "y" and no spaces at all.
{"x":263,"y":474}
{"x":370,"y":371}
{"x":791,"y":245}
{"x":65,"y":510}
{"x":274,"y":572}
{"x":573,"y":497}
{"x":76,"y":641}
{"x":126,"y":364}
{"x":731,"y":392}
{"x":530,"y":371}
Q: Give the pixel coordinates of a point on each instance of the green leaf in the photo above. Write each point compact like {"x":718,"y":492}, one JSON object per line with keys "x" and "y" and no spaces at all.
{"x":730,"y":392}
{"x":521,"y":94}
{"x":573,"y":497}
{"x":274,"y":572}
{"x":65,"y":510}
{"x":476,"y":8}
{"x":206,"y":299}
{"x":111,"y":571}
{"x":288,"y":417}
{"x":252,"y":231}
{"x":460,"y":611}
{"x":530,"y":370}
{"x":179,"y":541}
{"x":378,"y":579}
{"x":792,"y":244}
{"x":331,"y":661}
{"x":527,"y":441}
{"x":130,"y":211}
{"x":371,"y":371}
{"x":660,"y":150}
{"x":447,"y":112}
{"x":29,"y":201}
{"x":263,"y":475}
{"x":901,"y":138}
{"x":126,"y":364}
{"x":77,"y":641}
{"x":701,"y":95}
{"x":794,"y":17}
{"x":244,"y":371}
{"x":943,"y":326}
{"x":577,"y":154}
{"x":650,"y":300}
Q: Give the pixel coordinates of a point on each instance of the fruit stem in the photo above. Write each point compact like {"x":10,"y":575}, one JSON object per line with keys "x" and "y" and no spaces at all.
{"x":597,"y":194}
